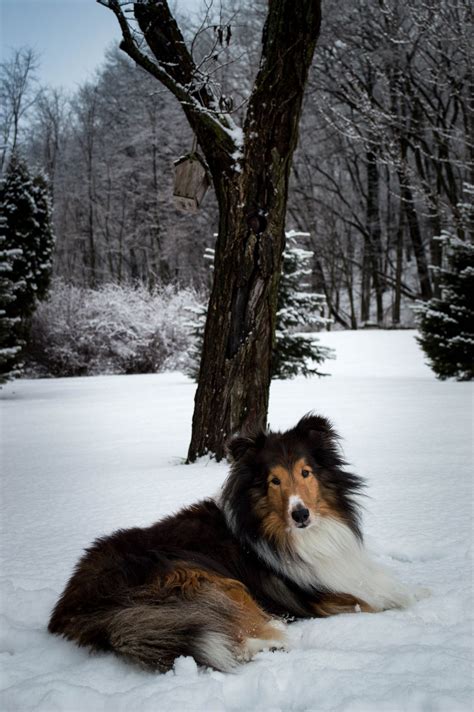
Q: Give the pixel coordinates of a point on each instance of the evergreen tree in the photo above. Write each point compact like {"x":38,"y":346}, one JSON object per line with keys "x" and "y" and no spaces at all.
{"x":10,"y":347}
{"x":447,"y":324}
{"x":294,"y":352}
{"x":27,"y":246}
{"x":43,"y":237}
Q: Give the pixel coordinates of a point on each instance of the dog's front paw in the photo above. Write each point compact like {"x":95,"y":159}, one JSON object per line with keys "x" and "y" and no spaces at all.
{"x":273,"y":639}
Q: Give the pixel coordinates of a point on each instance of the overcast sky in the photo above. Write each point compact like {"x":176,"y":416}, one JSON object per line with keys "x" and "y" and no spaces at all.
{"x":69,"y":35}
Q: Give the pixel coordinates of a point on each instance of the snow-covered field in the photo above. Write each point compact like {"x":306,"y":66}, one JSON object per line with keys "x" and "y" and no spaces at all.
{"x":81,"y":457}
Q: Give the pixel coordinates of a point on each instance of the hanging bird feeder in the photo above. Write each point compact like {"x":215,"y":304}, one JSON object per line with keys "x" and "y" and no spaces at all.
{"x":191,"y":181}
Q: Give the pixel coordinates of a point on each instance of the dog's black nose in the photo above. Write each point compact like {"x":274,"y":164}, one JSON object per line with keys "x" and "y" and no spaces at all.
{"x":300,"y":515}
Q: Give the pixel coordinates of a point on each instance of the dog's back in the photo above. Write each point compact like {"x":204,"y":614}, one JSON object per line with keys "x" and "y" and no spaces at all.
{"x":154,"y":594}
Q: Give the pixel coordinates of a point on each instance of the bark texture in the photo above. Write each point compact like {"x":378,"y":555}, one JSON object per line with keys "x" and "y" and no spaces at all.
{"x":250,"y":171}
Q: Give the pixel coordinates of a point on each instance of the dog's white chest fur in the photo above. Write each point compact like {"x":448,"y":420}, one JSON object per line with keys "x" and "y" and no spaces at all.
{"x":329,"y":556}
{"x":341,"y":563}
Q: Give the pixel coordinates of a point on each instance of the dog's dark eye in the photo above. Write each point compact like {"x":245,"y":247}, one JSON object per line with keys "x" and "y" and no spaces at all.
{"x":275,"y":481}
{"x":305,"y":473}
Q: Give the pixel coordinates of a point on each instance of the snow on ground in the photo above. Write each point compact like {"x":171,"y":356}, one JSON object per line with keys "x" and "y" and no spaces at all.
{"x":81,"y":457}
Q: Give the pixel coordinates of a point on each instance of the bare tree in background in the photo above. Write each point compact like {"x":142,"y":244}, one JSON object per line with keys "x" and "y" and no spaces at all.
{"x":48,"y":124}
{"x":389,"y":108}
{"x":250,"y":169}
{"x":17,"y":95}
{"x":385,"y":149}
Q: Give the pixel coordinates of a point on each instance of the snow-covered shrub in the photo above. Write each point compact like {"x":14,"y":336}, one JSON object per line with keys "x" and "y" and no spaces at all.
{"x":112,"y":329}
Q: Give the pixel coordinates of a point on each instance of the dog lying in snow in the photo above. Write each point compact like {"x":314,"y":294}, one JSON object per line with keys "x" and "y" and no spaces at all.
{"x":218,"y":579}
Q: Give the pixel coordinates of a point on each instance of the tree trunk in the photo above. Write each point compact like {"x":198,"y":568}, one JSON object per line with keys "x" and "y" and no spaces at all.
{"x":365,"y":284}
{"x":416,"y":238}
{"x":91,"y":256}
{"x":234,"y":378}
{"x":408,"y":202}
{"x":235,"y":368}
{"x":397,"y":296}
{"x":374,"y":231}
{"x":436,"y":248}
{"x":250,"y":172}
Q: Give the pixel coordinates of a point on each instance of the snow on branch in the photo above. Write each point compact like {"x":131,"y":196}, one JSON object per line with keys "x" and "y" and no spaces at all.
{"x":173,"y":65}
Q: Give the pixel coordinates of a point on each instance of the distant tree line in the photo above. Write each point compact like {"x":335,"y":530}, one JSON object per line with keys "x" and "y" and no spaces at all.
{"x":386,"y":145}
{"x":383,"y":167}
{"x":386,"y":150}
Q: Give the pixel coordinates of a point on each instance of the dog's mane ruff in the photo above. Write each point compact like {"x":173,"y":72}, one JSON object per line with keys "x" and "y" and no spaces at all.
{"x":329,"y":556}
{"x":342,"y":564}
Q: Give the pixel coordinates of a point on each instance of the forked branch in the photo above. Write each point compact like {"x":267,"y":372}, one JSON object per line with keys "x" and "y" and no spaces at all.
{"x":172,"y":64}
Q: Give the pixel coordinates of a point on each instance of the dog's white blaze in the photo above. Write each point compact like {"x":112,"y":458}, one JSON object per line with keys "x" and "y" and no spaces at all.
{"x":331,"y":555}
{"x":293,"y":502}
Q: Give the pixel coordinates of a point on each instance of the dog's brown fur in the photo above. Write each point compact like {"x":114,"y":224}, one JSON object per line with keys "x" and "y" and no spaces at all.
{"x":195,"y":583}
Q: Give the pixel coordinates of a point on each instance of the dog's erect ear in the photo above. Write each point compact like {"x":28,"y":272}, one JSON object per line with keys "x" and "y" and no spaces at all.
{"x":315,"y":426}
{"x":240,"y":444}
{"x":320,"y":438}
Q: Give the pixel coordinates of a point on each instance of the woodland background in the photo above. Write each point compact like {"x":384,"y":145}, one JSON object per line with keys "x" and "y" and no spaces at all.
{"x":385,"y":150}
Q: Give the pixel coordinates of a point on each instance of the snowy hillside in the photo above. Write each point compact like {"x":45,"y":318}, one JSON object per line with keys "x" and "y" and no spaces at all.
{"x":81,"y":457}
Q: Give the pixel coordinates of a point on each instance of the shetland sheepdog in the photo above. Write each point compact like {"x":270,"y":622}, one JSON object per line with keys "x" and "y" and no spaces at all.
{"x":219,"y":580}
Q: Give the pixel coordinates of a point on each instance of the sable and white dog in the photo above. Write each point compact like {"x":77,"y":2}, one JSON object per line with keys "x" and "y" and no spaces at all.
{"x":217,"y":580}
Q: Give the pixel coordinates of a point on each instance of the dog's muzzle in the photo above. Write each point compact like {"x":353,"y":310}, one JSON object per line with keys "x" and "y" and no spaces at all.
{"x":301,"y":516}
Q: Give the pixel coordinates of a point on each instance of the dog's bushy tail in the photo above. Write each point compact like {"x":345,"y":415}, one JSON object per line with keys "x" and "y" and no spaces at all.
{"x":154,"y":635}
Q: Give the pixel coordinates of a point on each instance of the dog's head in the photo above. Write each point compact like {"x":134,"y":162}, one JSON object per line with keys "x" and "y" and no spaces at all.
{"x":283,"y":482}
